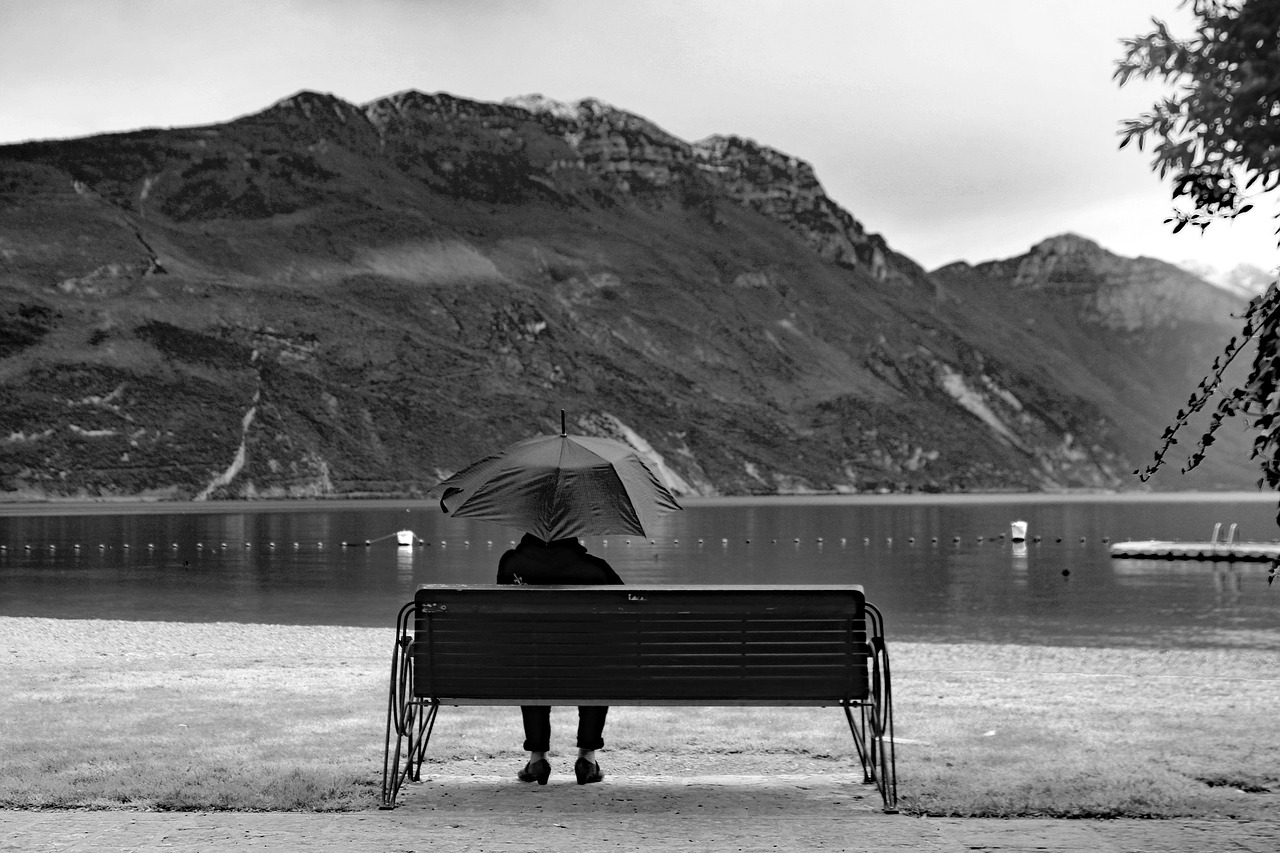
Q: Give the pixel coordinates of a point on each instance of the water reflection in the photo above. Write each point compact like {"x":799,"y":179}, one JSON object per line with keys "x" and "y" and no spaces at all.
{"x":944,"y":570}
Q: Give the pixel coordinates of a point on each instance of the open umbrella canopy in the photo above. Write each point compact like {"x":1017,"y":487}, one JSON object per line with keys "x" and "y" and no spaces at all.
{"x":558,"y":486}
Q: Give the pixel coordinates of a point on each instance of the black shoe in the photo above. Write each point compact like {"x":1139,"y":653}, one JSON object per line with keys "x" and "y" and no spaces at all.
{"x":536,"y":771}
{"x":587,"y":771}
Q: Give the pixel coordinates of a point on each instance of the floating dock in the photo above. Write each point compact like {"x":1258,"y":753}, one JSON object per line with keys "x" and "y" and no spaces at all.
{"x":1228,"y":550}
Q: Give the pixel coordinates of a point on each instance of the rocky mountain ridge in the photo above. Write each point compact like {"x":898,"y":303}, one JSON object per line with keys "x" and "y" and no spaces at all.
{"x":331,"y":299}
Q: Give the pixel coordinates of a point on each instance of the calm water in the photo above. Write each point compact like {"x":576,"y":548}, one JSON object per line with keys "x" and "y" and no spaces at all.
{"x":285,"y":563}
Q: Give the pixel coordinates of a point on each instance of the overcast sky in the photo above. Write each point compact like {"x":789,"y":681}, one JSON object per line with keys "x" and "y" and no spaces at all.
{"x":959,"y":130}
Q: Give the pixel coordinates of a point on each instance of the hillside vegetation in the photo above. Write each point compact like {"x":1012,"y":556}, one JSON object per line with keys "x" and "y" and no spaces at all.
{"x":332,"y":299}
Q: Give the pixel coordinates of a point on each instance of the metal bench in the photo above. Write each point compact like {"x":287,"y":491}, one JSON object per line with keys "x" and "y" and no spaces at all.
{"x":639,"y":645}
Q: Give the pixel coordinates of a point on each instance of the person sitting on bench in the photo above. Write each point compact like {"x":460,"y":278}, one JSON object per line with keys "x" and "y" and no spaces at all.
{"x":563,"y":561}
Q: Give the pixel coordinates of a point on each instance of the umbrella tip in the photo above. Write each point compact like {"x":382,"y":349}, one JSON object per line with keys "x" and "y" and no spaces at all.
{"x":563,"y":430}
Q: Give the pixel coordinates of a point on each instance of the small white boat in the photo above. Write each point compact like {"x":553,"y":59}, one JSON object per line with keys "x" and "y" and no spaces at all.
{"x":405,"y":537}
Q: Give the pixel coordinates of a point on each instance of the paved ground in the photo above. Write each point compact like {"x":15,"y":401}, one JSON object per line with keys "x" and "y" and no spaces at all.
{"x":640,"y":813}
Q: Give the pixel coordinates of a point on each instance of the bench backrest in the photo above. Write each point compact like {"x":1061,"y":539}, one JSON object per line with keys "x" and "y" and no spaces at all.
{"x":583,"y":645}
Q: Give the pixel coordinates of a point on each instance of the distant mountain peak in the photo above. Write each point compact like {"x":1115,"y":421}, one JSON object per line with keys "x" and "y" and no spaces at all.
{"x":1067,"y":244}
{"x":542,"y":105}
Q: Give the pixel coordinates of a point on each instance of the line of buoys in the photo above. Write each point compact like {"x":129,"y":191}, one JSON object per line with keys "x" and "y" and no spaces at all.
{"x":725,"y":542}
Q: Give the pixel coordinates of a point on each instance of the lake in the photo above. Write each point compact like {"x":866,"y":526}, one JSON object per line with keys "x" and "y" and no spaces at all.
{"x":939,"y":567}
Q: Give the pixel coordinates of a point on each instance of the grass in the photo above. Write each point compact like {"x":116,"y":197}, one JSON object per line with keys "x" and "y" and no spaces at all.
{"x":178,"y":717}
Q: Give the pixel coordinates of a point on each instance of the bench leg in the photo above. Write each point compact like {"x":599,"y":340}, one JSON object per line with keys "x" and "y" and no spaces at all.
{"x":872,"y":730}
{"x":875,"y":752}
{"x":861,"y":741}
{"x":417,"y":745}
{"x":409,"y":719}
{"x":412,"y":737}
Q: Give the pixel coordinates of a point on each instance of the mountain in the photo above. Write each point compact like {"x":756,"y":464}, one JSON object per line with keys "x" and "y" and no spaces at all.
{"x":1245,"y":280}
{"x":328,"y":299}
{"x":1130,"y":337}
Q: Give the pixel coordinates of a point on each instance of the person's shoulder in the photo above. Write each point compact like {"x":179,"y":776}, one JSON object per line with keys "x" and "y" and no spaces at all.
{"x":506,"y":567}
{"x":602,"y":565}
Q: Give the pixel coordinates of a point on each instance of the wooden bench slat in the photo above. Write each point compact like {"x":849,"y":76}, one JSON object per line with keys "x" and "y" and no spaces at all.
{"x":587,"y":623}
{"x":709,"y":691}
{"x":586,"y":657}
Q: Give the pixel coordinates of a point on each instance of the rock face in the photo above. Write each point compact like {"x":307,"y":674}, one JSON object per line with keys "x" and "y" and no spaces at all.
{"x":1123,"y":294}
{"x":333,"y":299}
{"x":1134,"y":334}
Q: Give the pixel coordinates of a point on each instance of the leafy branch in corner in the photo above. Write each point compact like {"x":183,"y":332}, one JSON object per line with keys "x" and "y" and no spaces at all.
{"x":1257,"y":399}
{"x":1217,"y":137}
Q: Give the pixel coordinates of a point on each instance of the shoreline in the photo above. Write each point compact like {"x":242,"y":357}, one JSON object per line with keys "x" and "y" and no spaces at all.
{"x":50,"y":641}
{"x":136,"y":505}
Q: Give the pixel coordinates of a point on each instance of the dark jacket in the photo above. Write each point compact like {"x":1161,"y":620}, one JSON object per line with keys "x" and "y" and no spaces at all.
{"x":564,"y":561}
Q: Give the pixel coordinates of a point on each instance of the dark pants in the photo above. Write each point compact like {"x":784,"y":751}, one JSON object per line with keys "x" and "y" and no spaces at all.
{"x":537,"y":726}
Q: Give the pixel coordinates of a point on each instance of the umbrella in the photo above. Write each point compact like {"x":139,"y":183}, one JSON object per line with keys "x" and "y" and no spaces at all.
{"x":558,"y":486}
